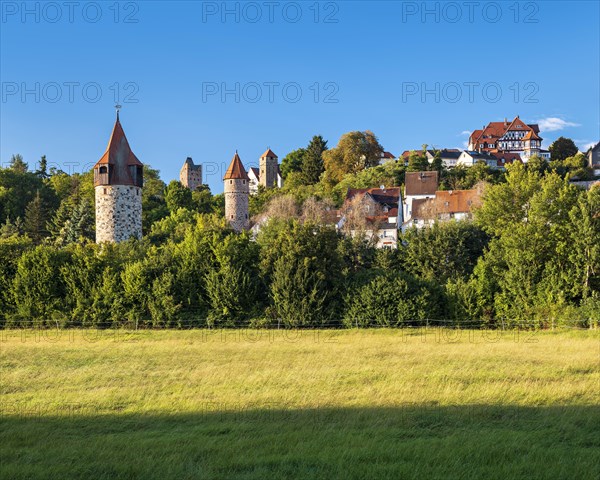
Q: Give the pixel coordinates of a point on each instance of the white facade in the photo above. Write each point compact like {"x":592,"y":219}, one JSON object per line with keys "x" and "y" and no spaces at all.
{"x":253,"y":180}
{"x":469,"y":158}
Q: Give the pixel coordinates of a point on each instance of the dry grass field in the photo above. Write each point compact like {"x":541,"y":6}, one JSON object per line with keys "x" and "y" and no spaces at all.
{"x":435,"y":404}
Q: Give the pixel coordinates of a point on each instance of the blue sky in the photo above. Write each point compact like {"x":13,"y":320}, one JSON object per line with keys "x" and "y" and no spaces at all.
{"x":202,"y":80}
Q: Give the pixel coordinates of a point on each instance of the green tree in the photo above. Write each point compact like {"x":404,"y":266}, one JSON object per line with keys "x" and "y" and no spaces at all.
{"x":162,"y":303}
{"x":108,"y":304}
{"x":18,"y":188}
{"x":42,"y":171}
{"x":312,"y":163}
{"x":38,"y":286}
{"x":507,"y":204}
{"x":154,"y":206}
{"x":584,"y":243}
{"x":11,"y":251}
{"x":526,"y":275}
{"x":292,"y":162}
{"x":11,"y":229}
{"x":233,"y":282}
{"x":537,"y":164}
{"x":73,"y":222}
{"x":301,"y":264}
{"x":177,"y":196}
{"x":354,"y":152}
{"x":447,"y":250}
{"x":81,"y":276}
{"x":437,"y":164}
{"x":562,"y":148}
{"x":18,"y":165}
{"x":393,"y":298}
{"x":202,"y":199}
{"x":36,"y":216}
{"x":417,"y":162}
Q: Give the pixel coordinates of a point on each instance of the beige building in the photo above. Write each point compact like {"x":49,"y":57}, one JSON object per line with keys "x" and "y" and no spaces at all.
{"x":267,"y":174}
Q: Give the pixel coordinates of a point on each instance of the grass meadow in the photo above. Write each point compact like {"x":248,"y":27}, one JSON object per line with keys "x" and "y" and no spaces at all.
{"x":351,"y":404}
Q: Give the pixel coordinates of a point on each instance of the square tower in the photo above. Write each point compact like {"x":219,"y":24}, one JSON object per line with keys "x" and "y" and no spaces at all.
{"x":269,"y":168}
{"x":190,"y":174}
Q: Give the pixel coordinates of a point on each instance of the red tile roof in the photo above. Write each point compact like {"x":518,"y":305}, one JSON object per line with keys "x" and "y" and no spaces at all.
{"x":236,"y":169}
{"x":446,"y":202}
{"x":495,"y":130}
{"x":269,"y":153}
{"x":421,"y":183}
{"x":531,"y":135}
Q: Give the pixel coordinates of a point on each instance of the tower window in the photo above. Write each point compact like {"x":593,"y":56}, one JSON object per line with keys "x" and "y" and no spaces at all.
{"x":232,"y":217}
{"x":105,"y":191}
{"x":230,"y":182}
{"x":103,"y":170}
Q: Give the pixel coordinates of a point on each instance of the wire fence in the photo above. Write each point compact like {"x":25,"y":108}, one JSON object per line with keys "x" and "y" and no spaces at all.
{"x":277,"y":324}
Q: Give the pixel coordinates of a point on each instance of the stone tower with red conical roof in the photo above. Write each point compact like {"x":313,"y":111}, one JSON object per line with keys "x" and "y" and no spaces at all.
{"x":237,"y":191}
{"x":268,"y":169}
{"x":118,"y":181}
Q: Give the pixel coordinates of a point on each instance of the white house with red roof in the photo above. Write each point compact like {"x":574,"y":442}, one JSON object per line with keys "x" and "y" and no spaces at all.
{"x":445,"y":205}
{"x":387,"y":157}
{"x":509,"y":137}
{"x":418,"y":186}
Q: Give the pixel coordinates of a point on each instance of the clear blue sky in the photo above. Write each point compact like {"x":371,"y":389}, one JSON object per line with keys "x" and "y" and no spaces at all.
{"x":375,"y":59}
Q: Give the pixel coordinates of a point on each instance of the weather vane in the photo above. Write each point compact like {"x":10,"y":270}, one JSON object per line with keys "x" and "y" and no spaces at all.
{"x":118,"y":108}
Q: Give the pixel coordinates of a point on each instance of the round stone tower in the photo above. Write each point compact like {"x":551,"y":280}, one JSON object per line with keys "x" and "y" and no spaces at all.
{"x":237,"y":191}
{"x":118,"y":181}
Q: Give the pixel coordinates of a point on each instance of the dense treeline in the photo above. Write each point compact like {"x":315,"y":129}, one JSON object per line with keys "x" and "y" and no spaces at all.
{"x":531,"y":256}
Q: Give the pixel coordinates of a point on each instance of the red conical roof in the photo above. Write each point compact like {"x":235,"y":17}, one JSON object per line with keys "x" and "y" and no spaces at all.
{"x":236,"y":169}
{"x":118,"y":154}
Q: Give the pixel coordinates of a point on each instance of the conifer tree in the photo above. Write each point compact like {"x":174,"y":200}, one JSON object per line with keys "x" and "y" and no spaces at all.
{"x":312,"y":163}
{"x":35,"y":219}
